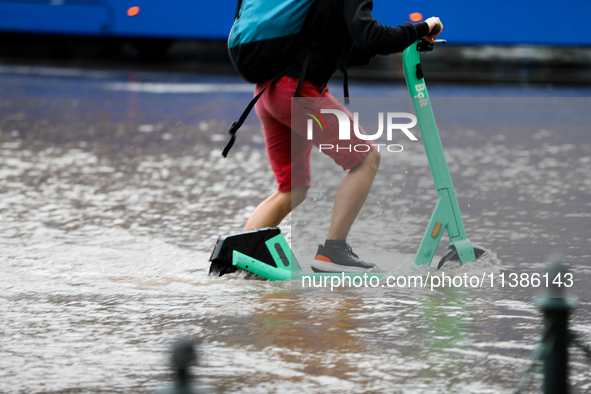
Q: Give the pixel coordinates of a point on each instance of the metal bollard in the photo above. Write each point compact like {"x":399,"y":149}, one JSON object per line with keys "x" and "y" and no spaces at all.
{"x":556,"y":338}
{"x":182,"y":358}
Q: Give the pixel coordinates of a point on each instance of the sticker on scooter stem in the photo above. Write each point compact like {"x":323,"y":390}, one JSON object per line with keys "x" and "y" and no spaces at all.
{"x":420,"y":87}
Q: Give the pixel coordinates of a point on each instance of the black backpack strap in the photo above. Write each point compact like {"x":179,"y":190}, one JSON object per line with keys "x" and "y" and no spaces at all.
{"x":238,"y":9}
{"x":346,"y":85}
{"x":343,"y":67}
{"x":236,"y":125}
{"x":303,"y":74}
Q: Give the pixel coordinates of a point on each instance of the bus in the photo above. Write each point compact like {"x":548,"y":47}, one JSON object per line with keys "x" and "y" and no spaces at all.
{"x":500,"y":22}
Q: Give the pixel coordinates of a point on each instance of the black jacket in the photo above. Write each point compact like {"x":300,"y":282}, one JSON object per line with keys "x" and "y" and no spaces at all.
{"x":344,"y":32}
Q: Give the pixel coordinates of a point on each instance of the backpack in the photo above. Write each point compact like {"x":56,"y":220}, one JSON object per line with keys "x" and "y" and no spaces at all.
{"x":266,"y":38}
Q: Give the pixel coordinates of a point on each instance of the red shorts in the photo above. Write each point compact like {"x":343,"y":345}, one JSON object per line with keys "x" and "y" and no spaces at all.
{"x":290,"y":153}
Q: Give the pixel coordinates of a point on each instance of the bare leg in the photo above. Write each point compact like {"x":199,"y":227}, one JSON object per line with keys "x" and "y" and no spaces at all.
{"x":352,"y":194}
{"x":274,"y":209}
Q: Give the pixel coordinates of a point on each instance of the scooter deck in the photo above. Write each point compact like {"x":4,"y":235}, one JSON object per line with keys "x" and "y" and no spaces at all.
{"x":289,"y":269}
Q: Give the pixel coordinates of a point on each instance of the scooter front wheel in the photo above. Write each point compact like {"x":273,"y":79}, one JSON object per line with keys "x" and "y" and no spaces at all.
{"x":452,"y":254}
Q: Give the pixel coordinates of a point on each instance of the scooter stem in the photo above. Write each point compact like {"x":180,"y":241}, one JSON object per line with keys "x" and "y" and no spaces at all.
{"x":446,"y":214}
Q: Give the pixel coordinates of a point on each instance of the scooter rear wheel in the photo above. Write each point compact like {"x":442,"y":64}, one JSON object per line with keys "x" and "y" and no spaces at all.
{"x":452,"y":254}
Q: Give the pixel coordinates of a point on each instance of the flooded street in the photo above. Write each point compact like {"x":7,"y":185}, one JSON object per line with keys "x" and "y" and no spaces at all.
{"x":113,"y":192}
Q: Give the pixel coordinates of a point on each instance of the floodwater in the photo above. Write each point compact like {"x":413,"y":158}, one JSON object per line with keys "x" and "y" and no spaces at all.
{"x":113,"y":192}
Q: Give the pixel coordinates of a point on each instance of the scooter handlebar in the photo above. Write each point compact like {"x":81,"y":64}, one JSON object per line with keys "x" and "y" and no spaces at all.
{"x":436,"y":30}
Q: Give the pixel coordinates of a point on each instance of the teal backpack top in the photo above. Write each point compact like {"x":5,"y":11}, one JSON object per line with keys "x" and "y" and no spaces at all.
{"x":266,"y":39}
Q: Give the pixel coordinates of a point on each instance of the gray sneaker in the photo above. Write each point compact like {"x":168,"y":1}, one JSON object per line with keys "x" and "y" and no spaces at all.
{"x":342,"y":259}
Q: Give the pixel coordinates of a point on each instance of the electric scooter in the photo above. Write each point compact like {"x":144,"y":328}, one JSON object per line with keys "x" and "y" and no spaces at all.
{"x":446,"y":214}
{"x":265,"y":252}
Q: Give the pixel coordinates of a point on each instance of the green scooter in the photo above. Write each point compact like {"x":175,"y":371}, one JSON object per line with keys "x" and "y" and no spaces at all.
{"x":446,"y":214}
{"x":266,"y":253}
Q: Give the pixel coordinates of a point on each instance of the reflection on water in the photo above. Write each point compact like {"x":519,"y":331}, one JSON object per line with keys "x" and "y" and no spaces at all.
{"x":110,"y":202}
